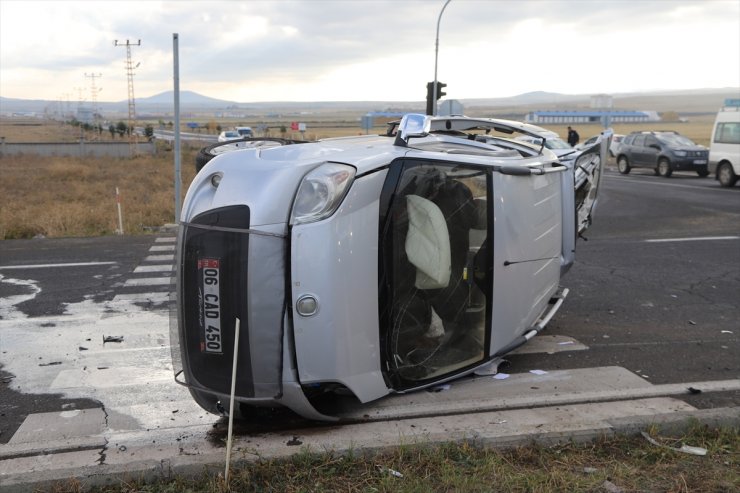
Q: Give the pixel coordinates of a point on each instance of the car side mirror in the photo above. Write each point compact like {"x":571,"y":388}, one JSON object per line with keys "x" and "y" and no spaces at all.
{"x":412,"y":125}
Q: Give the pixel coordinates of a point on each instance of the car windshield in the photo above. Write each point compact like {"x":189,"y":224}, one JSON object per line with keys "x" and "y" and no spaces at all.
{"x":231,"y":134}
{"x":675,"y":140}
{"x":556,"y":143}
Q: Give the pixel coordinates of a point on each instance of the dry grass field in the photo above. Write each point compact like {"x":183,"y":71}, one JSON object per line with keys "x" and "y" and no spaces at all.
{"x":67,"y":197}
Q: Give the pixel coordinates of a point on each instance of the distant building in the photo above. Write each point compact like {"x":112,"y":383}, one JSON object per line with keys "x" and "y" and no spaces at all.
{"x":607,"y":117}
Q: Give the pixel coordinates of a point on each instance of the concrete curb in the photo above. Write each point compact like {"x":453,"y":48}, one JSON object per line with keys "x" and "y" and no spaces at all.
{"x":172,"y":460}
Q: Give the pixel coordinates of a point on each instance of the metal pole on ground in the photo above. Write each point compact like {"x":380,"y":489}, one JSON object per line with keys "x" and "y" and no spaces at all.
{"x":231,"y":402}
{"x":178,"y":179}
{"x":120,"y":216}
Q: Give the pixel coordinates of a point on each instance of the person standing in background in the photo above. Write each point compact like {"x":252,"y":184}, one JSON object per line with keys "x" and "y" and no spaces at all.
{"x":573,"y":137}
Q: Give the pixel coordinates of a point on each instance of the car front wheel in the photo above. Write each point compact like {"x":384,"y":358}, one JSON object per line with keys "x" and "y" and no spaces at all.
{"x":726,"y":176}
{"x":664,"y":168}
{"x":623,"y":165}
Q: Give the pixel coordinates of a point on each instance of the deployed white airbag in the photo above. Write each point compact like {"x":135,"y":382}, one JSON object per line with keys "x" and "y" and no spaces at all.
{"x":428,"y":243}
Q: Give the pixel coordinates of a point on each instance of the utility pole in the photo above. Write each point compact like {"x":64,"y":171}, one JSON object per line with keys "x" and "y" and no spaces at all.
{"x":435,"y":87}
{"x":94,"y":96}
{"x":131,"y":101}
{"x":80,"y":100}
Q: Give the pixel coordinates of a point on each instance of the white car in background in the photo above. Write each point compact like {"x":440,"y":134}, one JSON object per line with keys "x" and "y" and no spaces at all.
{"x":228,"y":135}
{"x":613,"y":147}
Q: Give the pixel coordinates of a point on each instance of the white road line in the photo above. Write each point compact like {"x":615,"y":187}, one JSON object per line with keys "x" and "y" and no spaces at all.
{"x":159,"y":258}
{"x":663,"y":184}
{"x":698,"y":238}
{"x":169,"y":239}
{"x":48,"y":266}
{"x":153,"y":268}
{"x":149,"y":281}
{"x":162,"y":248}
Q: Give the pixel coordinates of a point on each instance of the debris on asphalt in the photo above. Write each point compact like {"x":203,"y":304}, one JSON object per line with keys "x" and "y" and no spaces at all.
{"x":82,"y":348}
{"x":687,"y":449}
{"x":112,"y":339}
{"x":691,"y":322}
{"x":726,"y":332}
{"x":388,"y":470}
{"x":501,"y":376}
{"x":538,"y":372}
{"x":439,"y":388}
{"x":51,"y":363}
{"x":565,"y":343}
{"x":692,"y":390}
{"x":294,"y":441}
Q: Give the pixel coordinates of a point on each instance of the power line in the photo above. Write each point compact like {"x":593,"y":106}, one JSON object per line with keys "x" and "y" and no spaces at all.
{"x":131,"y":101}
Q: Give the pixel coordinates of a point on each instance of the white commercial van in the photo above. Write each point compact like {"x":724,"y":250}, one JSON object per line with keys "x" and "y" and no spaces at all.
{"x":724,"y":149}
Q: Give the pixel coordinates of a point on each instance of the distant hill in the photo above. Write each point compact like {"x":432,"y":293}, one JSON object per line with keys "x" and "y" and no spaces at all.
{"x":193,"y":103}
{"x":186,"y":97}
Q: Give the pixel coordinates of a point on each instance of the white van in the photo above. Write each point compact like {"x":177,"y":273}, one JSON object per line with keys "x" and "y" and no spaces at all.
{"x":724,"y":148}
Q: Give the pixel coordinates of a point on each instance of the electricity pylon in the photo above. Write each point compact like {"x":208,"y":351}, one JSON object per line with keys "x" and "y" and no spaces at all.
{"x":94,"y":96}
{"x":131,"y":101}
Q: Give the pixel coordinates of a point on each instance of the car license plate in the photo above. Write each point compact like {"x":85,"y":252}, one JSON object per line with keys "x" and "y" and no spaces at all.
{"x":700,"y":161}
{"x":210,"y":269}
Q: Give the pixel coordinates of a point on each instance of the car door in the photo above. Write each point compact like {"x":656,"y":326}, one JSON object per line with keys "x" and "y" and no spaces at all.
{"x":638,"y":152}
{"x":435,"y":283}
{"x":652,"y":151}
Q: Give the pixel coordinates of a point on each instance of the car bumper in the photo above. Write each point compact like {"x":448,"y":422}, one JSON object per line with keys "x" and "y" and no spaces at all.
{"x":689,"y":164}
{"x":250,"y":269}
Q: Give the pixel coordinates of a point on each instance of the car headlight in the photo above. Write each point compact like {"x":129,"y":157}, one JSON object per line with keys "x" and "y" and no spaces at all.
{"x":680,"y":153}
{"x":321,"y":192}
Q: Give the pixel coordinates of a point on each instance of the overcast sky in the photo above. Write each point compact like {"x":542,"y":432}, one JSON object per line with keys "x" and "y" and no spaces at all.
{"x":350,"y":50}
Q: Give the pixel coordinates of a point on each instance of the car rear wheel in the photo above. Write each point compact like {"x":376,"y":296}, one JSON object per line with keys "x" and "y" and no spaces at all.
{"x":623,"y":165}
{"x":726,"y":176}
{"x":703,"y":173}
{"x":664,"y":168}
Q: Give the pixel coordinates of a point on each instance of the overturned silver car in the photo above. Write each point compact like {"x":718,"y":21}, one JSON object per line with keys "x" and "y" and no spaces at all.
{"x":372,"y":265}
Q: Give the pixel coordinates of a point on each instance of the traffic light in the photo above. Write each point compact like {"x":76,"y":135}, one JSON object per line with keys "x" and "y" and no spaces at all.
{"x":440,"y":86}
{"x":431,"y":100}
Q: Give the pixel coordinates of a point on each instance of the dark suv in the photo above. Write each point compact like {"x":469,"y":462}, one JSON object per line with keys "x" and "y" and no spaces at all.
{"x":664,"y":152}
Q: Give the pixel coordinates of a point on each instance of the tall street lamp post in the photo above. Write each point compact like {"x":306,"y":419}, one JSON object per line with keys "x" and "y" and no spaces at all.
{"x":436,"y":53}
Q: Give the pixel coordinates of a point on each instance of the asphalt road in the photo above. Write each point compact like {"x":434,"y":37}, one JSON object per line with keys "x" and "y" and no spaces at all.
{"x":655,"y":289}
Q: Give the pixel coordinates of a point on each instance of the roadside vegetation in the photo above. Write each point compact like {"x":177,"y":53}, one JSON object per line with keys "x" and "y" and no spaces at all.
{"x":616,"y":464}
{"x":75,"y":197}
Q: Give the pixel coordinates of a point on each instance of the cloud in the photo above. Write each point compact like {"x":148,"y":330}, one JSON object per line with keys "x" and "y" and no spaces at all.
{"x":371,"y":49}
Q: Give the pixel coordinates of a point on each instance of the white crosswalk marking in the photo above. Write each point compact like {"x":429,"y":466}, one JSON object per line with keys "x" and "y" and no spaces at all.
{"x":159,"y":258}
{"x":149,"y":281}
{"x":162,"y":248}
{"x":168,"y":239}
{"x":142,"y":297}
{"x":153,"y":268}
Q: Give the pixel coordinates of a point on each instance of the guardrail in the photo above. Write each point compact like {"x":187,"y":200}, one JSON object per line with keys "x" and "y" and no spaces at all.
{"x":75,"y":149}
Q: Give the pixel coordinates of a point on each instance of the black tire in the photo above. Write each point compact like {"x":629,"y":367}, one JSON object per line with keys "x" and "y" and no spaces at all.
{"x":726,"y":175}
{"x":209,"y":152}
{"x":664,"y":168}
{"x":703,"y":173}
{"x":623,"y":165}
